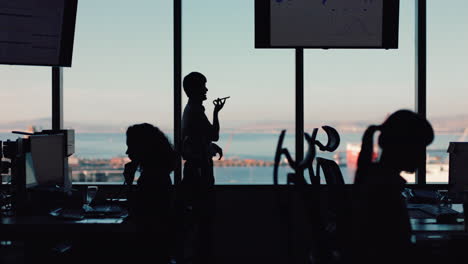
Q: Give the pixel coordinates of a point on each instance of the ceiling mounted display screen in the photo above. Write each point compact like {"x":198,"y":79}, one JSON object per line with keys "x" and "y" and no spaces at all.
{"x":37,"y":32}
{"x":326,"y":23}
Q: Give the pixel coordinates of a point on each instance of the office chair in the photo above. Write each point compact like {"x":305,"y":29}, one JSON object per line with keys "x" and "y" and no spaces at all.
{"x":334,"y":211}
{"x":318,"y":212}
{"x":333,"y":142}
{"x":297,"y":166}
{"x":331,"y":171}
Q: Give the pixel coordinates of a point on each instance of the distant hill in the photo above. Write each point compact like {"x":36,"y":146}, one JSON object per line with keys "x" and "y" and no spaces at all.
{"x":46,"y":123}
{"x":443,"y":124}
{"x":451,"y":124}
{"x":23,"y":125}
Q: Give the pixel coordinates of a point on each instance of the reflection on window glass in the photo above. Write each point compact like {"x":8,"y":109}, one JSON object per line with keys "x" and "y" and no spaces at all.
{"x":121,"y":75}
{"x":446,"y":82}
{"x":218,"y":41}
{"x":352,"y":89}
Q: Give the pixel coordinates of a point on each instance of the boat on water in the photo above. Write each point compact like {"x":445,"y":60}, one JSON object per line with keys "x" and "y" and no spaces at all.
{"x":352,"y":154}
{"x":436,"y":165}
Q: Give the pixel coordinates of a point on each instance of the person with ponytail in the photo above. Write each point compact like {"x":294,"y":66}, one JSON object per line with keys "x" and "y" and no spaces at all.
{"x":403,"y":137}
{"x":381,"y":224}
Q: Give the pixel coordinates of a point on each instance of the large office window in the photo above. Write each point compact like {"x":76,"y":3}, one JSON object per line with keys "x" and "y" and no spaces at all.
{"x":218,"y":41}
{"x":25,"y":100}
{"x":446,"y":82}
{"x":121,"y":75}
{"x":352,"y":89}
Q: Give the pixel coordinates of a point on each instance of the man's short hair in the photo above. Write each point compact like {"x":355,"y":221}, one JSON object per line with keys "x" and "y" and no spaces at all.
{"x":192,"y":80}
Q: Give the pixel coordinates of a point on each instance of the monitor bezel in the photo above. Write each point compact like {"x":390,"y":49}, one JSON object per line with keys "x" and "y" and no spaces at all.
{"x":67,"y":40}
{"x":390,"y":37}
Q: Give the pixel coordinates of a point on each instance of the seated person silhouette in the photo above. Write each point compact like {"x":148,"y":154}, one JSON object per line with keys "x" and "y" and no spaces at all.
{"x":150,"y":203}
{"x":198,"y":134}
{"x":380,"y":218}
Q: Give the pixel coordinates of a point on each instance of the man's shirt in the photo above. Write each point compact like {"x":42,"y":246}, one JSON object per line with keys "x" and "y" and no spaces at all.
{"x":197,"y":133}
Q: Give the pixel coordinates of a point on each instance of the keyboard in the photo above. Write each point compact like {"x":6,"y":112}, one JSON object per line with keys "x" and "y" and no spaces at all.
{"x":438,"y":210}
{"x":425,"y":211}
{"x":68,"y":213}
{"x":418,"y":214}
{"x":98,"y":211}
{"x":103,"y":210}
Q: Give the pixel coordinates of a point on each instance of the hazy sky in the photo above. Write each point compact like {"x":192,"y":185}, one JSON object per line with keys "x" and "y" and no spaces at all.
{"x":122,"y":68}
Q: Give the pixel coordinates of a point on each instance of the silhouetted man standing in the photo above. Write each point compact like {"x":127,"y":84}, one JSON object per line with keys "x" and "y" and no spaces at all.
{"x":198,"y":181}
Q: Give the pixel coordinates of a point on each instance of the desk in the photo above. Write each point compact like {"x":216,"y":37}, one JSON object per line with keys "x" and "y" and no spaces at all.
{"x":426,"y":225}
{"x":436,"y":242}
{"x":40,"y":227}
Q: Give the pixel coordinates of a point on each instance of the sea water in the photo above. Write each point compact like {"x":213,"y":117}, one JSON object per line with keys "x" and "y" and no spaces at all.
{"x":257,"y":146}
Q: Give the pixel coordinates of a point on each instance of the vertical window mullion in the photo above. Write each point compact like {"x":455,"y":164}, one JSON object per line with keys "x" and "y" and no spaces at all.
{"x":421,"y":68}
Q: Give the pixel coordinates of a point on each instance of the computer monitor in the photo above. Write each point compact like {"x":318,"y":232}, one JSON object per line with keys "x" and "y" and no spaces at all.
{"x":337,"y":24}
{"x":48,"y":156}
{"x":37,"y":32}
{"x":458,"y":170}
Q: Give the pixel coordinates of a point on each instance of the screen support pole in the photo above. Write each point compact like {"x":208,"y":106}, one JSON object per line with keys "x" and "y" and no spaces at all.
{"x":57,"y":98}
{"x":299,"y":107}
{"x":178,"y":87}
{"x":295,"y":241}
{"x":421,"y":45}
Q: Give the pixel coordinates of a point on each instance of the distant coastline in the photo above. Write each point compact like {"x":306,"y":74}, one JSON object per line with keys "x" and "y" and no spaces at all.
{"x":455,"y":125}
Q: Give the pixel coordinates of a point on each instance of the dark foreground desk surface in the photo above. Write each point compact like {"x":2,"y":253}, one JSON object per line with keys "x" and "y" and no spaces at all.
{"x":53,"y":240}
{"x":49,"y":227}
{"x":50,"y":224}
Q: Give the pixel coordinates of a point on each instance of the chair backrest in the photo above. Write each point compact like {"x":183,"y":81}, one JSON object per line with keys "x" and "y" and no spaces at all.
{"x":279,"y":147}
{"x":331,"y":171}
